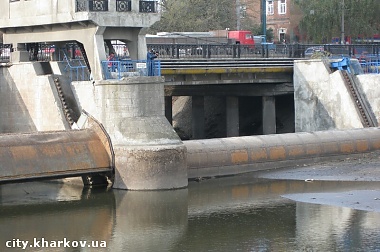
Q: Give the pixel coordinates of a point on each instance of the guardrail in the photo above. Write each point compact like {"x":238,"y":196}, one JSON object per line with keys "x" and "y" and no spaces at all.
{"x":119,"y":69}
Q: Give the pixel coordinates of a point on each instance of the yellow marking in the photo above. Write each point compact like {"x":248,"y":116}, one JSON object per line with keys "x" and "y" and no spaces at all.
{"x":276,"y":153}
{"x":260,"y":154}
{"x":313,"y":149}
{"x":295,"y":151}
{"x":347,"y":147}
{"x":227,"y":70}
{"x":362,"y":145}
{"x":239,"y":157}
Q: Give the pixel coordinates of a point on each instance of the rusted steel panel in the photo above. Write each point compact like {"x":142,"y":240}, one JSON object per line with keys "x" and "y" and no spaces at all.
{"x":52,"y":154}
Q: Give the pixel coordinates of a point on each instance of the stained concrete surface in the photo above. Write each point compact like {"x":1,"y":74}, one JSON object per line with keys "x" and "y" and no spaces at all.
{"x":364,"y":167}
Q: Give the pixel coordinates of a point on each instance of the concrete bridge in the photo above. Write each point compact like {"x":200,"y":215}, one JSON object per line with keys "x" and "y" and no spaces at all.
{"x":231,"y":80}
{"x":39,"y":98}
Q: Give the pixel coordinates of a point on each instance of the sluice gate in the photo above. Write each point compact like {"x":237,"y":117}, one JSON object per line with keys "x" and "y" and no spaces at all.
{"x":56,"y":154}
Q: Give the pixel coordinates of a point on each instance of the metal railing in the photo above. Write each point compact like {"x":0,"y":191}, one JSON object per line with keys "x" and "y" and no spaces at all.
{"x":183,"y":51}
{"x":145,"y":6}
{"x":76,"y":68}
{"x":370,"y":63}
{"x":119,"y":69}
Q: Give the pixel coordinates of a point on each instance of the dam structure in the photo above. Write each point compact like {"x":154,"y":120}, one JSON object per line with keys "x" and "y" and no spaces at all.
{"x":116,"y":128}
{"x":40,"y":96}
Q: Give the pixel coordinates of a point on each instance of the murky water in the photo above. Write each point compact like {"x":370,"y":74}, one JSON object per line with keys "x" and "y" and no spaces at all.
{"x":240,"y":213}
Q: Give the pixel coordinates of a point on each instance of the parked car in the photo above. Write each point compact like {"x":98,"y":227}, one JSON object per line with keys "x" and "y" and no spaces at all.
{"x":312,"y":50}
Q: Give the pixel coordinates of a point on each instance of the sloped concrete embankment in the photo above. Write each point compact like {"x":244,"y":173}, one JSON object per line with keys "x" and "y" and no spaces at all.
{"x":322,"y":101}
{"x":229,"y":156}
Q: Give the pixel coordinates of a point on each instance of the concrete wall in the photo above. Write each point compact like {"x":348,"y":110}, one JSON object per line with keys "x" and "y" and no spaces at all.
{"x":28,"y":102}
{"x":369,"y":85}
{"x":321,"y":99}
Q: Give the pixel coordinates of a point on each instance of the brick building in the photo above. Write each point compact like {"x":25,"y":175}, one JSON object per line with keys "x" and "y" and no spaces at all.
{"x":282,"y":16}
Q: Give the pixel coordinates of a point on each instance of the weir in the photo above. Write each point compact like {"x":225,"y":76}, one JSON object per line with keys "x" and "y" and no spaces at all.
{"x":57,"y":154}
{"x":39,"y":106}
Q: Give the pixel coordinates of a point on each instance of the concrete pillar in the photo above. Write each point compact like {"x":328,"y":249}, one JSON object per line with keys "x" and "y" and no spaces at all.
{"x":169,"y":109}
{"x":269,"y":115}
{"x":20,"y":54}
{"x":198,"y":117}
{"x":232,"y":116}
{"x":148,"y":153}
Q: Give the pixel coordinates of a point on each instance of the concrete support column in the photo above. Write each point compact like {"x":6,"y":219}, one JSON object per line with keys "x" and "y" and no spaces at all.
{"x":135,"y":6}
{"x":198,"y":117}
{"x":169,"y":109}
{"x":232,"y":116}
{"x":269,"y":115}
{"x":20,"y":54}
{"x":148,"y":153}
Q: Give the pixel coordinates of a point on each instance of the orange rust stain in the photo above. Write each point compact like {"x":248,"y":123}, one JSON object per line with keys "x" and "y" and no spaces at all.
{"x":295,"y":151}
{"x":75,"y":149}
{"x":313,"y":149}
{"x":240,"y":192}
{"x":260,"y":154}
{"x":51,"y":150}
{"x":239,"y":157}
{"x":362,"y":145}
{"x":347,"y":147}
{"x":99,"y":155}
{"x":276,"y":153}
{"x":23,"y":152}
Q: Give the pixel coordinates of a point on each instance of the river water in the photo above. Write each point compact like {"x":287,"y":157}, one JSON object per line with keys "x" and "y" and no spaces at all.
{"x":239,"y":213}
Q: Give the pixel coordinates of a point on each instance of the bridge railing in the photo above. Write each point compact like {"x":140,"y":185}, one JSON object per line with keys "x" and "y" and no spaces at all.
{"x":119,"y":69}
{"x":145,"y":6}
{"x":183,"y":51}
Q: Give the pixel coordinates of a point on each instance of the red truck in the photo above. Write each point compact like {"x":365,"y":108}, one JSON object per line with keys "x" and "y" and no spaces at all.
{"x":242,"y":37}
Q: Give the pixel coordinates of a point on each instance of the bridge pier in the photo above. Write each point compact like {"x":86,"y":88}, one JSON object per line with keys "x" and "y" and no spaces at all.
{"x":232,"y":116}
{"x":149,"y":155}
{"x":198,"y":117}
{"x":269,"y":115}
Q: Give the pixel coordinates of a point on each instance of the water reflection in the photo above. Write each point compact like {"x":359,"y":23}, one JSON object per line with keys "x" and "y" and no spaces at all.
{"x":239,"y":213}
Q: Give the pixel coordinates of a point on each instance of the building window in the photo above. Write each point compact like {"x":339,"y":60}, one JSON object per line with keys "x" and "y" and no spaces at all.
{"x":243,"y":11}
{"x":282,"y":7}
{"x":270,"y":9}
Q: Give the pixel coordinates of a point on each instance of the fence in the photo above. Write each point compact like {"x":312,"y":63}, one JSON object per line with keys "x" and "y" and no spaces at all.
{"x":147,"y":6}
{"x":119,"y":69}
{"x":183,"y":51}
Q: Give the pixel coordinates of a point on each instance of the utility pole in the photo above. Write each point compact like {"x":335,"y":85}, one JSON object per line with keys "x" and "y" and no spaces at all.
{"x":342,"y":38}
{"x":264,"y":17}
{"x":238,"y":13}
